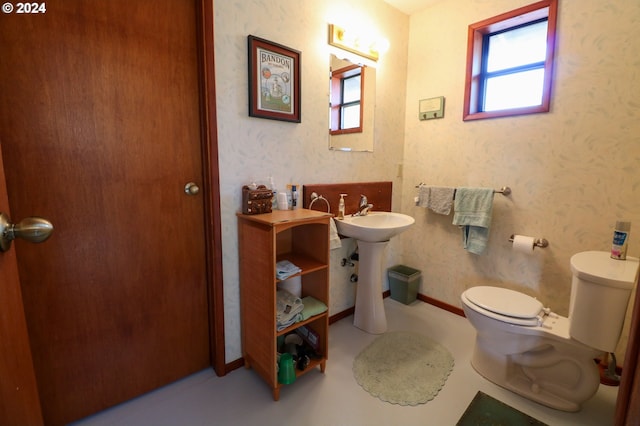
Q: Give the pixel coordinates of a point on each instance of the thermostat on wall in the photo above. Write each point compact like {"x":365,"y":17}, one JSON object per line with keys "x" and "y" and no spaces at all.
{"x":431,"y":108}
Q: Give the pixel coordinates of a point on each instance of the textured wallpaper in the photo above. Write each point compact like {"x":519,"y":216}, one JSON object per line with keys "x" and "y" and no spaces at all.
{"x":254,"y":148}
{"x":573,"y":171}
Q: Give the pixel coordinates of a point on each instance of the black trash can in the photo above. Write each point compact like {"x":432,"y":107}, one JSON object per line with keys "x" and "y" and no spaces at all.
{"x":403,"y":283}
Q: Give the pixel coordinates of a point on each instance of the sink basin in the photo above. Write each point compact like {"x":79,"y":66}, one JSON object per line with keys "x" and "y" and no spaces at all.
{"x":374,"y":227}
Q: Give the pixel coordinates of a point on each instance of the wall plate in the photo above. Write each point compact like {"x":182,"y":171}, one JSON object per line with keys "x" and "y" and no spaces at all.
{"x":431,"y":108}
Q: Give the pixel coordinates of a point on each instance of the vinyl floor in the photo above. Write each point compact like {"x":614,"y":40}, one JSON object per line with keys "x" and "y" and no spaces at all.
{"x":334,"y":398}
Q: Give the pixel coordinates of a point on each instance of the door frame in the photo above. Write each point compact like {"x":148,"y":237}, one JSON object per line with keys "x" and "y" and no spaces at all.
{"x":212,"y":225}
{"x":19,"y":399}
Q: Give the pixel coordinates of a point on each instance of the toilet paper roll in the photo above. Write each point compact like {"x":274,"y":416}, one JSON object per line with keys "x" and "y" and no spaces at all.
{"x":293,"y":285}
{"x":523,"y":244}
{"x":282,"y":201}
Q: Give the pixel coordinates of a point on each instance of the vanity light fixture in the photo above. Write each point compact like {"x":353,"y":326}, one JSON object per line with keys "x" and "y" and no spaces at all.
{"x":353,"y":42}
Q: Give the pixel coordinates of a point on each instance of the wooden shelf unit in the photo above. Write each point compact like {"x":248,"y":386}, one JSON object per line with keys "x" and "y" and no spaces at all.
{"x":302,"y":237}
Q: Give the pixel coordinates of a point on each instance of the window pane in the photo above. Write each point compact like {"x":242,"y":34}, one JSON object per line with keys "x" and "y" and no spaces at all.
{"x":351,"y":116}
{"x":514,"y":90}
{"x":351,"y":89}
{"x":517,"y":47}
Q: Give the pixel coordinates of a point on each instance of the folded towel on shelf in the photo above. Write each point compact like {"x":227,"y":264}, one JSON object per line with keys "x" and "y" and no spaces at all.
{"x":282,"y":325}
{"x":334,"y":238}
{"x":438,"y":199}
{"x":472,"y":211}
{"x":288,"y":309}
{"x":312,"y":306}
{"x":285,"y":269}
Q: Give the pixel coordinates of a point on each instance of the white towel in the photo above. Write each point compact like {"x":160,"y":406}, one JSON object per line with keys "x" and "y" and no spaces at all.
{"x":441,"y":199}
{"x":285,"y":269}
{"x":334,"y":238}
{"x":423,"y":195}
{"x":435,"y":198}
{"x":288,"y":309}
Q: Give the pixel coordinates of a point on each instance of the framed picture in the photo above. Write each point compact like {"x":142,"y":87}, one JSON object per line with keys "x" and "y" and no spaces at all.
{"x":274,"y":81}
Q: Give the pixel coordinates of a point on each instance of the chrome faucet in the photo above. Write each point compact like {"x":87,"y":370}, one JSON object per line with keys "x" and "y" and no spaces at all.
{"x":363,"y":207}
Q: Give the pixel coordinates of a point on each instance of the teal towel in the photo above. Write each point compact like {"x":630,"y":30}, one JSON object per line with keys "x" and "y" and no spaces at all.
{"x":472,"y":211}
{"x":312,"y":306}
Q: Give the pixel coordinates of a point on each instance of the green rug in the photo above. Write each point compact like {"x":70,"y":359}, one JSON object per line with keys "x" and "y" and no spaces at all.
{"x":403,"y":368}
{"x":485,"y":410}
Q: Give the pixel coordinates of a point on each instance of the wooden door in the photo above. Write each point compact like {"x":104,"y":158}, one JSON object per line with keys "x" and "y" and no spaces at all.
{"x":100,"y":129}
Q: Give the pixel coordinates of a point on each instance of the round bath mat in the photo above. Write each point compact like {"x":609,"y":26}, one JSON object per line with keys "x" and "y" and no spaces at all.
{"x":403,"y":368}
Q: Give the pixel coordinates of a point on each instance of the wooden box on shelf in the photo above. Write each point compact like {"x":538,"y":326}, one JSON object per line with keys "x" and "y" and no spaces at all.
{"x":302,"y":237}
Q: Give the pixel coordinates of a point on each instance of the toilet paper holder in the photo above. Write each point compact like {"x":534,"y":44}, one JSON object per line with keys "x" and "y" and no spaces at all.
{"x":538,"y":242}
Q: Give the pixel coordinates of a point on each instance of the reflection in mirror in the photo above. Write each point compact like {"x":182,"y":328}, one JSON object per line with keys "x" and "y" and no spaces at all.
{"x":352,"y":104}
{"x":347,"y":102}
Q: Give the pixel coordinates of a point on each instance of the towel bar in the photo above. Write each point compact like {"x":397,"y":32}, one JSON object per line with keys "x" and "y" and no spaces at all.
{"x":505,"y":190}
{"x":315,"y":197}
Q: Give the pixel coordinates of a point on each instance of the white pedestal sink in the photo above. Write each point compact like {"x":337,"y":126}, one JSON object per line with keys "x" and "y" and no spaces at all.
{"x":372,"y":233}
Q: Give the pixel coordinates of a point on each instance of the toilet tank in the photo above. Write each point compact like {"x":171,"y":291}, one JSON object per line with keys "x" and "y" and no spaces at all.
{"x":600,"y":291}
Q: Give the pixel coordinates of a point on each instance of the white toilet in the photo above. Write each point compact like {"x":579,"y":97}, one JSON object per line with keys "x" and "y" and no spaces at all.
{"x":524,"y":347}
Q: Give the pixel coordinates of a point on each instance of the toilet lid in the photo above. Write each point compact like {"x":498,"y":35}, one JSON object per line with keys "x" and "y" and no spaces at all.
{"x":598,"y":267}
{"x":504,"y":301}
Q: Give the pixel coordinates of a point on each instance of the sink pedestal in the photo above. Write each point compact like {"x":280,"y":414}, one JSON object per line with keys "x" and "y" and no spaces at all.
{"x":369,"y":310}
{"x":372,"y":233}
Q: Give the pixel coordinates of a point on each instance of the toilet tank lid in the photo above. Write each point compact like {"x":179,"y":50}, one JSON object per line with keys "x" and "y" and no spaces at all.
{"x":504,"y":301}
{"x":598,"y":267}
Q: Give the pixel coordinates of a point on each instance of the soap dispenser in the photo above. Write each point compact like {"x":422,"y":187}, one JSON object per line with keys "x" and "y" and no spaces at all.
{"x":341,"y":206}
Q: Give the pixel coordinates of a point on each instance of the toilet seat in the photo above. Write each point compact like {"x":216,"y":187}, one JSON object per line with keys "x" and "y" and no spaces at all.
{"x":505,"y":305}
